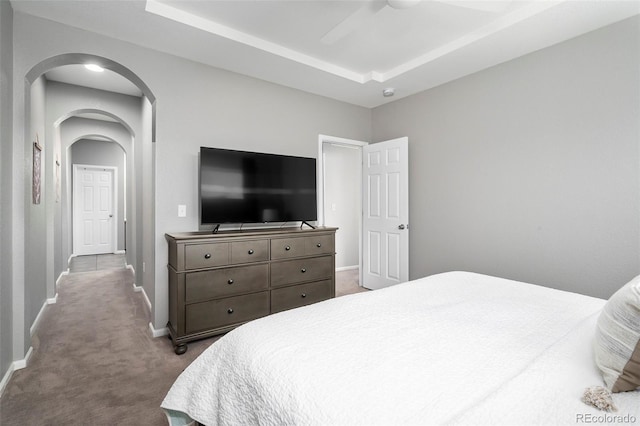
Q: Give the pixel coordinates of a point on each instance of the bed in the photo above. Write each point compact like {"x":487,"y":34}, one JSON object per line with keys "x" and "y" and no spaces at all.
{"x":452,"y":348}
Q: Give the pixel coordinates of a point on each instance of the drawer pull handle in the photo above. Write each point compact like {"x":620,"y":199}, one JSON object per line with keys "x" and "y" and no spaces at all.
{"x":303,"y":270}
{"x":287,"y":248}
{"x":303,"y":295}
{"x":250,"y":251}
{"x":207,"y":256}
{"x":230,"y":311}
{"x":318,"y":245}
{"x":230,"y":281}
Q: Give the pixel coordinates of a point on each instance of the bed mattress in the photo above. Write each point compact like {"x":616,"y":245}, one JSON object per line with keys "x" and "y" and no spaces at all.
{"x":454,"y":348}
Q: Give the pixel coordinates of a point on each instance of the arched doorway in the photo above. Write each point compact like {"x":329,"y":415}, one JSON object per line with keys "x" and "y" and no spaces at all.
{"x":107,"y":140}
{"x":43,"y":230}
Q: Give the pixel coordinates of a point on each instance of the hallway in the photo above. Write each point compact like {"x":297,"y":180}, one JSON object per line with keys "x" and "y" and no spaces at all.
{"x":94,"y":361}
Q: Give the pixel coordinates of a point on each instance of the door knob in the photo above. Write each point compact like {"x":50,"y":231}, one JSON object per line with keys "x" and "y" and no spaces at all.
{"x":400,"y":226}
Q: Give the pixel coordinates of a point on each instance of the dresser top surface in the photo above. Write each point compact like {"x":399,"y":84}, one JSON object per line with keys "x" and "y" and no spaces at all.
{"x":261,"y":232}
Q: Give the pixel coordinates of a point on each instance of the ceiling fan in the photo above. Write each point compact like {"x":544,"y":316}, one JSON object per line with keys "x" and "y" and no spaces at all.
{"x":370,"y":8}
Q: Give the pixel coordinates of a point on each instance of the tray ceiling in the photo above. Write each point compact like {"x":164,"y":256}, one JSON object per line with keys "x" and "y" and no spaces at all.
{"x":346,"y":50}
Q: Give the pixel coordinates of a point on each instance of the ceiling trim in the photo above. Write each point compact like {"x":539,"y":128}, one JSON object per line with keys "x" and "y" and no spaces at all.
{"x":500,"y":24}
{"x":178,"y":15}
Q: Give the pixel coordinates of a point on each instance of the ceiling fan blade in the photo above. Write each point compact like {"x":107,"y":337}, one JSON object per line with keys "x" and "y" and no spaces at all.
{"x":402,"y":4}
{"x":352,"y":22}
{"x":494,"y":6}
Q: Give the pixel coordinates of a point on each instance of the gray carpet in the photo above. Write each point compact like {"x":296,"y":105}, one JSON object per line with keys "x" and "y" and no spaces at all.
{"x":94,"y":361}
{"x":347,"y":282}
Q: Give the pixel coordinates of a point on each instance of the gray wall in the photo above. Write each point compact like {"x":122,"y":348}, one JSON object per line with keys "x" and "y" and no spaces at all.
{"x":103,"y":153}
{"x":530,"y":170}
{"x":6,"y":138}
{"x":204,"y":106}
{"x":36,"y":217}
{"x":342,"y":190}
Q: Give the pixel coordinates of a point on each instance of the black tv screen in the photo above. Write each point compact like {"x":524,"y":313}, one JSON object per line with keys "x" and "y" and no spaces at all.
{"x":252,"y":187}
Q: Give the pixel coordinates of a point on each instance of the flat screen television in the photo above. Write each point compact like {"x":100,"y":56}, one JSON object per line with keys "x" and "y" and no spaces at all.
{"x":253,"y":187}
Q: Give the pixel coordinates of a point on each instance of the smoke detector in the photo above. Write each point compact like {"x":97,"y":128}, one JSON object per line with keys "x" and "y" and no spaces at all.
{"x":388,"y":92}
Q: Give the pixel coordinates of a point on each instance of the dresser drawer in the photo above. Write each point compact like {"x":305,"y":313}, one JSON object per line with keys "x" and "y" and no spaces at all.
{"x":217,"y":313}
{"x":219,"y":281}
{"x":225,"y":282}
{"x":206,"y":255}
{"x":300,"y":295}
{"x":284,"y":248}
{"x":249,"y":251}
{"x":321,"y":244}
{"x":300,"y":270}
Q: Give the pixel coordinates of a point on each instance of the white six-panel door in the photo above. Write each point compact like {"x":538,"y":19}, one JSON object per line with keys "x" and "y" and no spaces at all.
{"x":94,"y":224}
{"x":385,"y":213}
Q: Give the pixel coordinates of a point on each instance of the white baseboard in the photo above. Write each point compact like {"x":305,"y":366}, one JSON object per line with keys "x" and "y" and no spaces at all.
{"x":62,"y":274}
{"x":154,"y":332}
{"x":6,"y":378}
{"x":158,"y":332}
{"x":49,"y":301}
{"x":119,"y":252}
{"x":140,"y":289}
{"x":22,"y":363}
{"x":68,"y":271}
{"x":37,"y":320}
{"x":132,"y":270}
{"x":14,"y":366}
{"x":346,"y":268}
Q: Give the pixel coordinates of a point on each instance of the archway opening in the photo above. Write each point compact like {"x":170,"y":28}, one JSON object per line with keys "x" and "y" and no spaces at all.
{"x":51,"y":107}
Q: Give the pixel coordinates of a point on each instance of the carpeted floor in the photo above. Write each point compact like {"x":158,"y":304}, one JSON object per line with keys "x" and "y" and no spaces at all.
{"x":94,"y":361}
{"x":347,"y":282}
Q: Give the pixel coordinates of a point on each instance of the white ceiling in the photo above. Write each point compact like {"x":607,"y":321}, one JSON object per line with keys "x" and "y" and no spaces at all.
{"x":346,"y":50}
{"x":106,"y":80}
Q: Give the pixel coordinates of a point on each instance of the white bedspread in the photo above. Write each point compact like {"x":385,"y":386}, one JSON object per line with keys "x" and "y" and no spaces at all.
{"x":454,"y":348}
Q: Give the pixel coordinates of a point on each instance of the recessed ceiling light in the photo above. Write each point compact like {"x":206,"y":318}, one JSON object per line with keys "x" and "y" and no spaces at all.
{"x":388,"y":92}
{"x":94,"y":67}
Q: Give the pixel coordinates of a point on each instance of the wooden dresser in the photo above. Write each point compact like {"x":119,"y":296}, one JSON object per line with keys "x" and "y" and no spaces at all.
{"x":220,"y":281}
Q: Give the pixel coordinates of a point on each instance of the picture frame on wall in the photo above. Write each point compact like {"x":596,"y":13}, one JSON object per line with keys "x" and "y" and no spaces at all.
{"x":37,"y":171}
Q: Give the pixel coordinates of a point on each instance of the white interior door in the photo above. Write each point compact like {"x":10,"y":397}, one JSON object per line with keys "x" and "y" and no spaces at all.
{"x":94,"y":223}
{"x":385,"y":203}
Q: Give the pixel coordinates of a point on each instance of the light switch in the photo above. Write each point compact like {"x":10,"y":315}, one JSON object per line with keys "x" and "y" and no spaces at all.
{"x":182,"y":210}
{"x":333,"y":207}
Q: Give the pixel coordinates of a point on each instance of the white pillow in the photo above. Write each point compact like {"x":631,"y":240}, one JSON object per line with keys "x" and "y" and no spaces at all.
{"x":617,"y":341}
